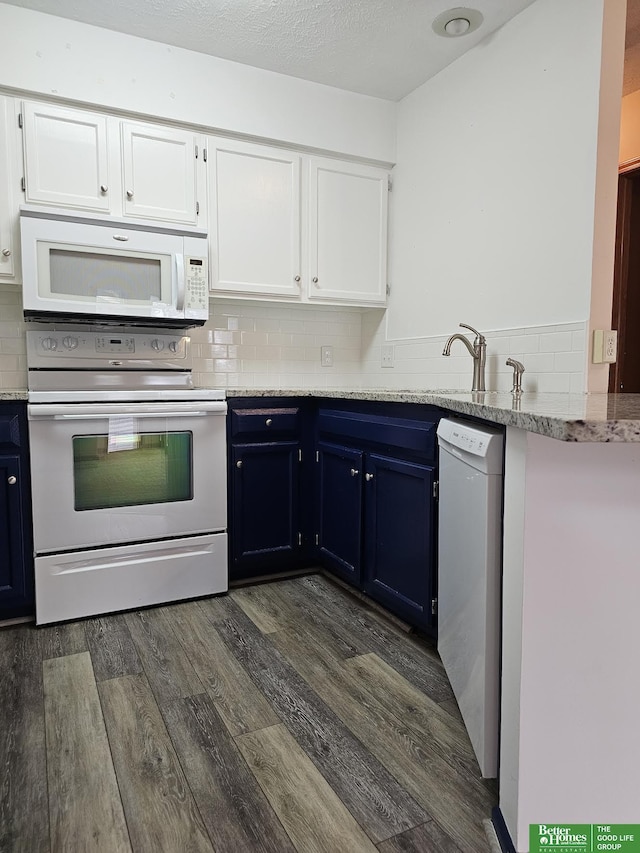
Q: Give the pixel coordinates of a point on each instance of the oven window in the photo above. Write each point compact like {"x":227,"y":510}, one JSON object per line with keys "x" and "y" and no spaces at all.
{"x":132,"y":470}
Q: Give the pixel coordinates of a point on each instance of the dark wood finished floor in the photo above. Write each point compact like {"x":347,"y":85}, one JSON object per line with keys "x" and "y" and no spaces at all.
{"x":282,"y":717}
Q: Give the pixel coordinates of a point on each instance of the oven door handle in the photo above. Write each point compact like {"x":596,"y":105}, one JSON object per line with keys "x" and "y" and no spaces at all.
{"x":76,"y":411}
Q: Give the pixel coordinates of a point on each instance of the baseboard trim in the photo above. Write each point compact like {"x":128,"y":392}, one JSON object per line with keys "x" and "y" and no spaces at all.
{"x":504,"y":838}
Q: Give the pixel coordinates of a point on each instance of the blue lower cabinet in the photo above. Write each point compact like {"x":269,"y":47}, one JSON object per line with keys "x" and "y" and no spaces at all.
{"x":16,"y":538}
{"x":339,"y":510}
{"x":376,"y":503}
{"x":399,"y":537}
{"x":265,"y":531}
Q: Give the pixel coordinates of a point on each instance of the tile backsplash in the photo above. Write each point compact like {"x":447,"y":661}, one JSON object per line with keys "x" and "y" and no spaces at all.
{"x":269,"y":345}
{"x":13,"y":352}
{"x":554,"y":359}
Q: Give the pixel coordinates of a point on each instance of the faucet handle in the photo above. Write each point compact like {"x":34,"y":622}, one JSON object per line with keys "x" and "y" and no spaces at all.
{"x":481,"y":338}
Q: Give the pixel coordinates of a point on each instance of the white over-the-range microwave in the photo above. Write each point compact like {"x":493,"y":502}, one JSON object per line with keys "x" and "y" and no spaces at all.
{"x":95,"y":269}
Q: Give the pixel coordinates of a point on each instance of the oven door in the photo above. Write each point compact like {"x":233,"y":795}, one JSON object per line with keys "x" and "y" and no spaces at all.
{"x":106,"y":474}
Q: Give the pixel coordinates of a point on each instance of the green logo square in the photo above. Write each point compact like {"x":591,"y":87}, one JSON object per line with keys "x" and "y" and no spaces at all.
{"x":560,"y":838}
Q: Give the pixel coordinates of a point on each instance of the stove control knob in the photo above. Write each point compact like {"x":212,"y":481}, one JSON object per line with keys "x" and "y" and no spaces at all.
{"x":69,"y":342}
{"x":49,"y":343}
{"x":157,"y":345}
{"x":173,"y":346}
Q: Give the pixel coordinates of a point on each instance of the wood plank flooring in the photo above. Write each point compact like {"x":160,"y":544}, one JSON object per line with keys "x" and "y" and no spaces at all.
{"x":282,"y":717}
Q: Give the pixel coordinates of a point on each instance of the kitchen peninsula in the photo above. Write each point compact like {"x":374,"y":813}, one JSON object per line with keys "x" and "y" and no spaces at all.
{"x":570,"y":598}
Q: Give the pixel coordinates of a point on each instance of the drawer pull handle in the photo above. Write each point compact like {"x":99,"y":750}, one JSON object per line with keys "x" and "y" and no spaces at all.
{"x":268,"y":421}
{"x":368,"y":477}
{"x":354,"y":472}
{"x":239,"y":463}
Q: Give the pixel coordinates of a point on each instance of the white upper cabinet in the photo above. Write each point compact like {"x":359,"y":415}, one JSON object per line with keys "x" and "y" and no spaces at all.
{"x":347,"y":218}
{"x":87,"y":161}
{"x":9,"y":193}
{"x":160,"y":173}
{"x":255,"y":219}
{"x":66,"y":158}
{"x":320,"y":239}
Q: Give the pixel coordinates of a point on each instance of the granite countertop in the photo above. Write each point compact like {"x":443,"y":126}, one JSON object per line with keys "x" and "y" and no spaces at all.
{"x":567,"y":417}
{"x":18,"y":394}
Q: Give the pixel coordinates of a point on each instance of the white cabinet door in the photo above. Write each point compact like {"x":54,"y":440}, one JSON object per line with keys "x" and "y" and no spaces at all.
{"x":9,"y":193}
{"x":347,"y":232}
{"x":160,"y":173}
{"x":66,"y":162}
{"x":255,"y":219}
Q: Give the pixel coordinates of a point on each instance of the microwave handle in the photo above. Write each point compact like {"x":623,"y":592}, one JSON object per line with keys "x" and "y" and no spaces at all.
{"x":180,"y":283}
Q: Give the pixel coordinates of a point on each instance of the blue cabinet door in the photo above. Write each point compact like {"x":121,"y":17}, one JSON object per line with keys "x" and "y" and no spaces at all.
{"x":16,"y":595}
{"x":265,"y":529}
{"x":340,"y":510}
{"x":399,"y":536}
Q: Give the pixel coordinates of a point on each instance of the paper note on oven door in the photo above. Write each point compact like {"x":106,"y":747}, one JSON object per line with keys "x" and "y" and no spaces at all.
{"x":123,"y":434}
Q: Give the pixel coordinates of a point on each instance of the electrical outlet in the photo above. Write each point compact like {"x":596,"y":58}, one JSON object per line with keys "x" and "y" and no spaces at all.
{"x":605,"y":346}
{"x":387,"y":355}
{"x":610,"y":346}
{"x":326,"y":356}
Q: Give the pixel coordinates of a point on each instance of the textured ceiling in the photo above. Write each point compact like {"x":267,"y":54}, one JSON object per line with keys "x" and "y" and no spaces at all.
{"x":384,"y":48}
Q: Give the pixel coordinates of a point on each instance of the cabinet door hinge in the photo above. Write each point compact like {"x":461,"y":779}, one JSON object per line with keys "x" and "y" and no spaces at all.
{"x":204,"y":154}
{"x":196,"y":152}
{"x":389,"y":184}
{"x":299,"y":538}
{"x":434,"y":606}
{"x":317,"y":538}
{"x":197,"y":208}
{"x":388,"y":288}
{"x":23,"y":185}
{"x":19,"y":119}
{"x":317,"y":455}
{"x":299,"y":456}
{"x":436,"y":489}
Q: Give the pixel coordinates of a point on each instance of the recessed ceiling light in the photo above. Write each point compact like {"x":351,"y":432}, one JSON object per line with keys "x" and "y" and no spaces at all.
{"x":457,"y":22}
{"x":457,"y":26}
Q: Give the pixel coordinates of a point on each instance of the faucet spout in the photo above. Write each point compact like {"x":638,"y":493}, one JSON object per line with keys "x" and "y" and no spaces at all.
{"x":458,"y":337}
{"x":477,"y":351}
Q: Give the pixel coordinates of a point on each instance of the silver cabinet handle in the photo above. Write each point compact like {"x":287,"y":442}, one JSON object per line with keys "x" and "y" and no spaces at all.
{"x":239,"y":463}
{"x":104,"y":188}
{"x":297,"y":278}
{"x":354,"y":472}
{"x":129,"y":193}
{"x":268,"y":422}
{"x":12,"y":480}
{"x":6,"y":252}
{"x":315,"y":279}
{"x":121,"y":237}
{"x":368,"y":477}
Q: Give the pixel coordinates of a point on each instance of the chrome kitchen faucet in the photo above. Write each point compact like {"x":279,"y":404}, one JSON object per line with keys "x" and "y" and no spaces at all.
{"x":478,"y":352}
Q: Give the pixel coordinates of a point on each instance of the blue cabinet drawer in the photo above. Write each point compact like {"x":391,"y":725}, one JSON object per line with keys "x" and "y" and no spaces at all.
{"x":401,"y":433}
{"x":10,"y":428}
{"x":265,"y":421}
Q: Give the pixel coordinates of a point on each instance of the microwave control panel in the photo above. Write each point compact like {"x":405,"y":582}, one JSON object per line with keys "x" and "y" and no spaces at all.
{"x":196,"y":284}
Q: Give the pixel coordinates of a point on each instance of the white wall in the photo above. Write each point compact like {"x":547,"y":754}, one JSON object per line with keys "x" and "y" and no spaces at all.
{"x":494,"y":188}
{"x":570,"y":735}
{"x":66,"y":59}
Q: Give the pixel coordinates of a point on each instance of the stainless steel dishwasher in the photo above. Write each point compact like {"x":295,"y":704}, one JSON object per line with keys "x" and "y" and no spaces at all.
{"x":469,"y":571}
